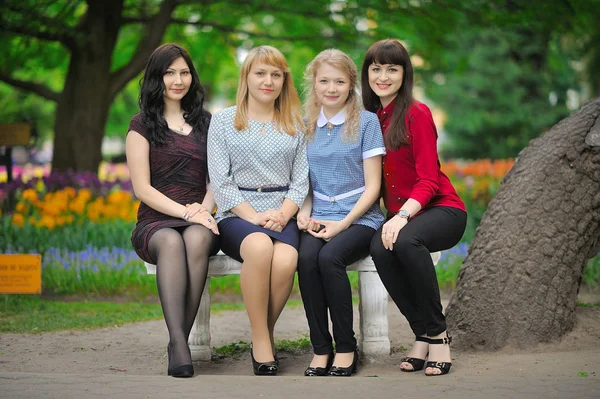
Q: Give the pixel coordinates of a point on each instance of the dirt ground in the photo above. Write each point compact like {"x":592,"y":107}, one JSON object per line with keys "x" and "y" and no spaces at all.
{"x":139,"y":349}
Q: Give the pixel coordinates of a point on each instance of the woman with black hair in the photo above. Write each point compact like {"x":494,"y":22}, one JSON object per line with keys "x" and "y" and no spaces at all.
{"x":166,"y":156}
{"x":424,"y":213}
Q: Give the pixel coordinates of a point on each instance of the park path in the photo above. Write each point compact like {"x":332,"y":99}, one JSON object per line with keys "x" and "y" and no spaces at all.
{"x":129,"y":362}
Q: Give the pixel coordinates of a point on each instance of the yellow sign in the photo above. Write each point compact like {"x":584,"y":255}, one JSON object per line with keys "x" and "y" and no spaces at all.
{"x":12,"y":134}
{"x":20,"y":274}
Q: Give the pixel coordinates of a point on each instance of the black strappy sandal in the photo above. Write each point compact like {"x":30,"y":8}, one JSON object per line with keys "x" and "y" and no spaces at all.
{"x":444,"y":367}
{"x":415,"y":361}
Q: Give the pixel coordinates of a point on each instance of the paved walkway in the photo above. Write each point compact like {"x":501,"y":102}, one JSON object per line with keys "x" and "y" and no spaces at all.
{"x":85,"y":364}
{"x":61,"y":386}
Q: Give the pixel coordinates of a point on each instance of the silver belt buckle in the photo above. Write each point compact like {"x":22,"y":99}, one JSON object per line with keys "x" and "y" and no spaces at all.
{"x":332,"y":199}
{"x":259,"y":189}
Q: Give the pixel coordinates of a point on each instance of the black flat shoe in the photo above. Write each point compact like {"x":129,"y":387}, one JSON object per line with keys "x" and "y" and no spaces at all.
{"x":415,"y":361}
{"x":319,"y":371}
{"x":266,"y":368}
{"x":444,"y":367}
{"x":181,"y":371}
{"x":345,"y":371}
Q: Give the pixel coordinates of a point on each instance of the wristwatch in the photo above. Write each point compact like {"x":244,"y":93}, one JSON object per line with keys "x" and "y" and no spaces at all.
{"x":404,"y":214}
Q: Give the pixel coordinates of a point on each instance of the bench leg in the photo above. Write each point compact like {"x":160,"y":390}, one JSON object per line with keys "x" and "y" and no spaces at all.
{"x":199,"y":340}
{"x":374,"y":340}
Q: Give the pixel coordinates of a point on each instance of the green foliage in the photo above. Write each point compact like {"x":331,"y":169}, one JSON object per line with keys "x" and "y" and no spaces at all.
{"x":31,"y":314}
{"x":591,"y":273}
{"x":499,"y":89}
{"x":233,"y":348}
{"x":296,"y":347}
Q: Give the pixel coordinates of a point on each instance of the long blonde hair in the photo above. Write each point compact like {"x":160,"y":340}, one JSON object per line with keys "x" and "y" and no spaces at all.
{"x":287,"y":106}
{"x":312,"y":106}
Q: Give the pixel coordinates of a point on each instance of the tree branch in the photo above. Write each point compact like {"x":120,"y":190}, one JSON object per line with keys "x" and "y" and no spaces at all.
{"x":36,"y":88}
{"x":229,"y":29}
{"x":52,"y":30}
{"x":155,"y":30}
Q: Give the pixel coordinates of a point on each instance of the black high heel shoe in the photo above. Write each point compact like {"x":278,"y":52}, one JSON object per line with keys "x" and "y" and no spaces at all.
{"x":319,"y":371}
{"x":182,"y":371}
{"x":415,"y":361}
{"x":444,"y":367}
{"x":345,"y":371}
{"x":266,"y":368}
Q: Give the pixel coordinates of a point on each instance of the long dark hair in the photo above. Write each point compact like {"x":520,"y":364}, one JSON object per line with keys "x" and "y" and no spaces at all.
{"x":390,"y":51}
{"x":152,"y":88}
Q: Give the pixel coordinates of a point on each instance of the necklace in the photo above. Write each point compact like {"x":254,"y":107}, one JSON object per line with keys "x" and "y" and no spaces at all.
{"x":178,"y":126}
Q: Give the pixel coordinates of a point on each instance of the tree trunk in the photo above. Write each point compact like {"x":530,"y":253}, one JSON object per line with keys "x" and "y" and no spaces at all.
{"x":518,"y":286}
{"x":83,"y":108}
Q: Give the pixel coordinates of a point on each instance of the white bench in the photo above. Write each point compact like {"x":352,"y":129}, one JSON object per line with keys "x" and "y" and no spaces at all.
{"x":373,"y":310}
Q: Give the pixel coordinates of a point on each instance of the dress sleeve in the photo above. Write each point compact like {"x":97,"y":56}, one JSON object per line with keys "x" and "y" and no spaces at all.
{"x":137,"y":125}
{"x":226,"y":192}
{"x":423,"y":137}
{"x":371,"y":136}
{"x":298,"y":189}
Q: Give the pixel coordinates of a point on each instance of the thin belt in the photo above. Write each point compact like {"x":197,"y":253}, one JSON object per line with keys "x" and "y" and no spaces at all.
{"x":338,"y":197}
{"x":265,"y":189}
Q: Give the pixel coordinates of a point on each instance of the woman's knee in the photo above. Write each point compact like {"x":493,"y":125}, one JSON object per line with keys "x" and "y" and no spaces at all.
{"x":328,"y":258}
{"x":257,"y":247}
{"x":406,"y":244}
{"x":167,"y":239}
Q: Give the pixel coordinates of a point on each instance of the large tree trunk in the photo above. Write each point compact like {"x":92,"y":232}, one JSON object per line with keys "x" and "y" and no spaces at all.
{"x":518,"y":286}
{"x":83,"y":108}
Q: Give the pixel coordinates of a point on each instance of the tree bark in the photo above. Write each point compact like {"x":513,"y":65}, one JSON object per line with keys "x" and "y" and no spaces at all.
{"x":519,"y":283}
{"x":83,"y":107}
{"x":90,"y":86}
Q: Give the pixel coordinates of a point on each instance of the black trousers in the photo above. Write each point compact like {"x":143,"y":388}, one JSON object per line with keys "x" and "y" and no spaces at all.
{"x":408,"y":272}
{"x":324,"y":285}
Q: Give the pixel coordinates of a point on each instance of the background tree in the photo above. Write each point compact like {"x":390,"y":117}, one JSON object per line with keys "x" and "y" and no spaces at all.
{"x":502,"y":71}
{"x":105,"y":44}
{"x":518,"y":285}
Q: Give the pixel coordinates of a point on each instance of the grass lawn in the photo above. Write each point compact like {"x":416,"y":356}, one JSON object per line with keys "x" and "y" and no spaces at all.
{"x":34,"y":315}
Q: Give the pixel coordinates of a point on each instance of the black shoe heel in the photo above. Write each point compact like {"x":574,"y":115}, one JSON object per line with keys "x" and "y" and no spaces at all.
{"x":444,"y":367}
{"x":319,"y":371}
{"x":415,"y":361}
{"x":182,"y":371}
{"x":345,"y":371}
{"x":266,"y":368}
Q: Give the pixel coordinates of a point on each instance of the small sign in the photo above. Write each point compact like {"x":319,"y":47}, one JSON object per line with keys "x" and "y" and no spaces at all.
{"x":12,"y":134}
{"x":20,"y":274}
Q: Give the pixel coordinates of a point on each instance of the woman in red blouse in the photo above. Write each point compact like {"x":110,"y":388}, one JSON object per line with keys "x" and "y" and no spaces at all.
{"x":424,"y":213}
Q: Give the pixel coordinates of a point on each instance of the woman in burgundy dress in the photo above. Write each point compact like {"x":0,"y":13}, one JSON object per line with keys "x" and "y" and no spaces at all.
{"x":424,"y":213}
{"x":166,"y":155}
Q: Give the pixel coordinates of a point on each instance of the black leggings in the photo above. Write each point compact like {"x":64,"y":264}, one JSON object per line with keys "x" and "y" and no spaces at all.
{"x":324,"y":284}
{"x":408,"y":272}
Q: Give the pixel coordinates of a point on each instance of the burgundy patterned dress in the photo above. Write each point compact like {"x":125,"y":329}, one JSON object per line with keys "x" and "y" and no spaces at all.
{"x":178,"y":169}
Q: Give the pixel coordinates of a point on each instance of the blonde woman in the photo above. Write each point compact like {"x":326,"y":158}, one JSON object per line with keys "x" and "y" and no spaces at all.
{"x":345,"y":148}
{"x":259,"y":172}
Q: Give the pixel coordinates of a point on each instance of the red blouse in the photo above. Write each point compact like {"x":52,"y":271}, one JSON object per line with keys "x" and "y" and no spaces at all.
{"x":413,"y":171}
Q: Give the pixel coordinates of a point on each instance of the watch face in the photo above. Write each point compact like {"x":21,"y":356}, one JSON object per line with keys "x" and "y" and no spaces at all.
{"x":404,"y":214}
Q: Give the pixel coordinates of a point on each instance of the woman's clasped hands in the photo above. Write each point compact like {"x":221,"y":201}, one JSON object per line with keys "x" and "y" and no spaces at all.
{"x":270,"y":219}
{"x":324,"y":229}
{"x":197,"y":213}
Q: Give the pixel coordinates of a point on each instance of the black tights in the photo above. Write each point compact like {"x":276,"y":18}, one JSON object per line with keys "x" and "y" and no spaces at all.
{"x":181,"y":268}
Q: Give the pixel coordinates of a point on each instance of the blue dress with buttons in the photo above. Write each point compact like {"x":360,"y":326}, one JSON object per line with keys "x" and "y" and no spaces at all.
{"x":337,"y":167}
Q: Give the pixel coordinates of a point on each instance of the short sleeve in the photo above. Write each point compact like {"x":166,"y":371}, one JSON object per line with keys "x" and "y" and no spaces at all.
{"x":137,"y":125}
{"x":371,"y":135}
